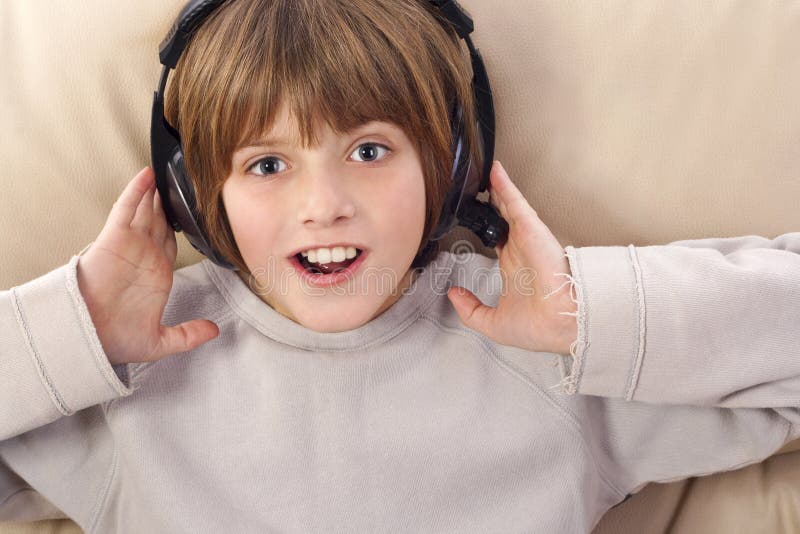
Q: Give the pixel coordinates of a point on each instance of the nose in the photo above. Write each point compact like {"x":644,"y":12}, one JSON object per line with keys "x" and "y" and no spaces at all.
{"x":325,"y":200}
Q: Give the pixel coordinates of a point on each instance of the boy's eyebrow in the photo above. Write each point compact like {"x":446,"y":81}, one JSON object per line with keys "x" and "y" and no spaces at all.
{"x":259,"y":142}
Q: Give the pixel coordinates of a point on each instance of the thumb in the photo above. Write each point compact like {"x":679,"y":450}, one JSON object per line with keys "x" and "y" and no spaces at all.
{"x":472,"y":312}
{"x":185,"y":336}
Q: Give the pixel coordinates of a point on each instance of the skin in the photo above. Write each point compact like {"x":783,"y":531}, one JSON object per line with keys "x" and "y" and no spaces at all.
{"x":281,"y":197}
{"x":320,"y":196}
{"x":536,"y":310}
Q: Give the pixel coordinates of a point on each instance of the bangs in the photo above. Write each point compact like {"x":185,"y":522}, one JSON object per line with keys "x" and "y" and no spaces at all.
{"x":339,"y":68}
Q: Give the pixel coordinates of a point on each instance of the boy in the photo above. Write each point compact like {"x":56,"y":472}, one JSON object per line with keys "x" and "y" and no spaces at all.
{"x":404,"y":414}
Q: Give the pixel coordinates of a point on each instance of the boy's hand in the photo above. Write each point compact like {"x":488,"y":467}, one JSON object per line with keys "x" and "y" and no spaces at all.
{"x":525,"y":315}
{"x":126,"y":276}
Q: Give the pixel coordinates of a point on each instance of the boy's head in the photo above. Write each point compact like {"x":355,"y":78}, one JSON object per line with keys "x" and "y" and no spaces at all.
{"x":343,"y":81}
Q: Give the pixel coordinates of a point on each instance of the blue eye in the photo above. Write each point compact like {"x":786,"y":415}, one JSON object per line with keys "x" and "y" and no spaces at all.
{"x":369,"y":152}
{"x":271,"y":165}
{"x":266,"y":165}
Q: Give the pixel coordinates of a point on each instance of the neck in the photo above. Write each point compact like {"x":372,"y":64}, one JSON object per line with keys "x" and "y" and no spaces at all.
{"x":406,"y":282}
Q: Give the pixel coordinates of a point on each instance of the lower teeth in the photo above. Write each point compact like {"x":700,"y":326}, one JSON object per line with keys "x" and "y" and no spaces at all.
{"x":316,"y":270}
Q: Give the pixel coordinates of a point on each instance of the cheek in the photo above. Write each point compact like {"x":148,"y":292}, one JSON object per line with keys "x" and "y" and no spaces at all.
{"x":405,"y":209}
{"x":419,"y":202}
{"x":254,"y":226}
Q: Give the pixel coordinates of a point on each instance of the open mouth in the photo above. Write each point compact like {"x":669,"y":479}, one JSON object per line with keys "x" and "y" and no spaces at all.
{"x":327,"y":268}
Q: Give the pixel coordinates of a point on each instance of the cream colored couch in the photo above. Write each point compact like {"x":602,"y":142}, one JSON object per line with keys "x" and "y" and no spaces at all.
{"x":622,"y":122}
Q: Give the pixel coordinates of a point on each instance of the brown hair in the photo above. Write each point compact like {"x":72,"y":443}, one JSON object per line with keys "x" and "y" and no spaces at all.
{"x":347,"y":62}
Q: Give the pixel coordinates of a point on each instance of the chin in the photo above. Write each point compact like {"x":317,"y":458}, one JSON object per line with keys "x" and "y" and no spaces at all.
{"x":341,"y":321}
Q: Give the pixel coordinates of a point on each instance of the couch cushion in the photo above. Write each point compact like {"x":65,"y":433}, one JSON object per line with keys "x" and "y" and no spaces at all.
{"x":758,"y":498}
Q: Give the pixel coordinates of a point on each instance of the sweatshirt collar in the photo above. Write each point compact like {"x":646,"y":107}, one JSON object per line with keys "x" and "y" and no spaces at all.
{"x":430,"y":283}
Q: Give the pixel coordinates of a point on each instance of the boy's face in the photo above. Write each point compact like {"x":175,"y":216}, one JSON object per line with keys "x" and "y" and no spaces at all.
{"x":282,"y":199}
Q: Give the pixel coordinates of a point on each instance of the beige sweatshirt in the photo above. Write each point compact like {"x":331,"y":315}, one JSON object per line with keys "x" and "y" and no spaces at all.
{"x":687,"y":363}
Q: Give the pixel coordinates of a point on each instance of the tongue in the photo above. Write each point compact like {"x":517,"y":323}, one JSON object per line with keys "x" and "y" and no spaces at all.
{"x":332,"y":267}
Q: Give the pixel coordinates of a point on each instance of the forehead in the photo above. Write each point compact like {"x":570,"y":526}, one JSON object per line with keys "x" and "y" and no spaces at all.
{"x":285,"y":131}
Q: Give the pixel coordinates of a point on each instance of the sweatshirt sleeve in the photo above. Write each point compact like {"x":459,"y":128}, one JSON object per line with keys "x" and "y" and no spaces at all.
{"x":711,"y":322}
{"x":51,"y":365}
{"x":687,"y":357}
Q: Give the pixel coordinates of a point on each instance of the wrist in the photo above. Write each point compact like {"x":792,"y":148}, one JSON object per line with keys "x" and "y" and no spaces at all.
{"x":567,"y":337}
{"x":564,"y":328}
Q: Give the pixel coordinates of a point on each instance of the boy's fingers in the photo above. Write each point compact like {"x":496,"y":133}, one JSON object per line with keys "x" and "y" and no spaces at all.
{"x":160,"y":226}
{"x":510,"y":198}
{"x":124,"y":209}
{"x":144,"y":212}
{"x":473,"y":313}
{"x":185,"y":336}
{"x":496,"y":202}
{"x":171,"y":246}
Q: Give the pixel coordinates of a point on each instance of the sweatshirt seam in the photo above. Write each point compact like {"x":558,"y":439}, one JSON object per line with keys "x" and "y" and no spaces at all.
{"x":137,"y":371}
{"x":41,"y":369}
{"x":744,"y":463}
{"x":635,"y":372}
{"x":509,"y":368}
{"x":14,"y":494}
{"x":245,"y":316}
{"x":104,"y":492}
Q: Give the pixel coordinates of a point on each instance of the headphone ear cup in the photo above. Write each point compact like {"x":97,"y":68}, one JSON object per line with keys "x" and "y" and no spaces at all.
{"x":183,"y":205}
{"x":461,"y":175}
{"x":174,"y":185}
{"x":462,"y":154}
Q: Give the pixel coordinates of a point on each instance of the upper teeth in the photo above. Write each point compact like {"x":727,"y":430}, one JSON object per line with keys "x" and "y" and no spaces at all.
{"x":327,"y":255}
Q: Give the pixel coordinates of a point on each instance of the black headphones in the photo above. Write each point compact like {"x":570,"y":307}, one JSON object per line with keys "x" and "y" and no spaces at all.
{"x":460,"y":205}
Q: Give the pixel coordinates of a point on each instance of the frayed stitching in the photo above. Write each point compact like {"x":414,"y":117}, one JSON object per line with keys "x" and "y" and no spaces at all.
{"x":569,"y":382}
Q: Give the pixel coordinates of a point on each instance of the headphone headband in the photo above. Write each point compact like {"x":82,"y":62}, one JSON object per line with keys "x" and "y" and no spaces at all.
{"x":190,"y":18}
{"x":196,"y":12}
